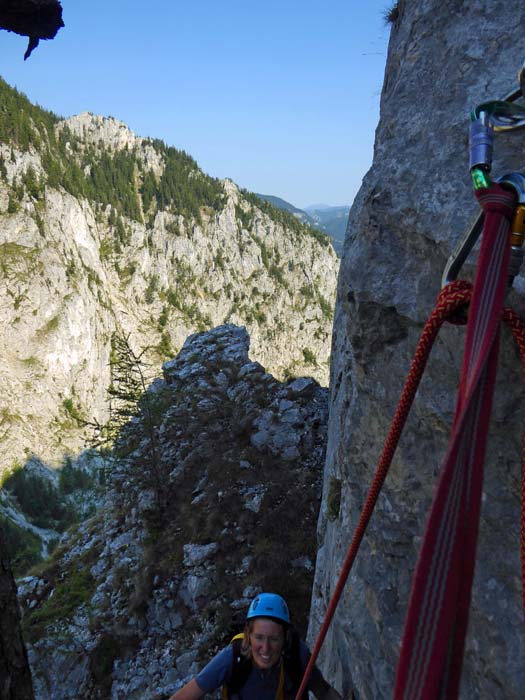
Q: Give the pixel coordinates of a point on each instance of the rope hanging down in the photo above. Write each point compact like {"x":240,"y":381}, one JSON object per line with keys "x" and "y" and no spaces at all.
{"x":428,"y":632}
{"x":452,"y":298}
{"x":435,"y":629}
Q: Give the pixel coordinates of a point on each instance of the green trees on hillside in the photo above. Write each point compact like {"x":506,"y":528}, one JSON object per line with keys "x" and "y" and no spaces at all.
{"x":22,"y":123}
{"x":148,"y":190}
{"x":24,"y":548}
{"x":39,"y":500}
{"x":184,"y":188}
{"x":118,"y":178}
{"x":112,"y":180}
{"x":108,"y":178}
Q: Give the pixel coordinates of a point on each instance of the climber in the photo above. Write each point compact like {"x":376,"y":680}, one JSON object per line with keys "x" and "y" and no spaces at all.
{"x":265,"y":662}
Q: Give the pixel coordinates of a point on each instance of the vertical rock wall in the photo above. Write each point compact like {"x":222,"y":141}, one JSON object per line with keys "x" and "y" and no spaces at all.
{"x":444,"y":58}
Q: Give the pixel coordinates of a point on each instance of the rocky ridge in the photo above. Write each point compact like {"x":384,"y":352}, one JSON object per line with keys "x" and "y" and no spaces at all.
{"x":220,"y":462}
{"x":103,"y":232}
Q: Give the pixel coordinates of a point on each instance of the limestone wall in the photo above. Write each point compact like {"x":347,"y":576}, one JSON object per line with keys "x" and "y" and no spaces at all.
{"x":443,"y":59}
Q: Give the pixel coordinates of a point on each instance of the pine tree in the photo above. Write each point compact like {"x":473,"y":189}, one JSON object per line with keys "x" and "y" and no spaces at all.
{"x":129,"y":398}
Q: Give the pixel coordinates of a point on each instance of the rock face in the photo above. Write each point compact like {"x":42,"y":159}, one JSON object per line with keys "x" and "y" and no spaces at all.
{"x":213,"y":496}
{"x":444,"y":58}
{"x":102,"y":232}
{"x":14,"y":667}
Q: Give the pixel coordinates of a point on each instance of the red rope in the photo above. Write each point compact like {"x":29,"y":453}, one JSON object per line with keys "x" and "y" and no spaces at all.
{"x":433,"y":642}
{"x":451,"y":300}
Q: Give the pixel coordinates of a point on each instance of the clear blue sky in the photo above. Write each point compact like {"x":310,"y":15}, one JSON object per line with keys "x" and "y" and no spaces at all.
{"x":282,"y":96}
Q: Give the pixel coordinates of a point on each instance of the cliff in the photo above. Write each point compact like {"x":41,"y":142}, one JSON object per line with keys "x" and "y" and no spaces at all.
{"x":105,"y":232}
{"x":443,"y":59}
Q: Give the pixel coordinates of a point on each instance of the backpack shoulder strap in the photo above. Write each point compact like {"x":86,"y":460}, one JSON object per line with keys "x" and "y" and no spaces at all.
{"x":241,"y":669}
{"x":292,"y":662}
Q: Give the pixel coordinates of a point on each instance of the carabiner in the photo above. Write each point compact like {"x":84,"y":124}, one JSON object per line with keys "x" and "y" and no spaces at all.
{"x":516,"y":182}
{"x":462,"y":249}
{"x":490,"y":117}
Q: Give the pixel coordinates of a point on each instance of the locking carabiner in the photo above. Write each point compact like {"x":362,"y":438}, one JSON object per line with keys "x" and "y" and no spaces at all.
{"x":516,"y":181}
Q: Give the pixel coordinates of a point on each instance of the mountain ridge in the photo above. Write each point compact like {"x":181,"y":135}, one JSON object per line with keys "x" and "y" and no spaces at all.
{"x":106,"y":232}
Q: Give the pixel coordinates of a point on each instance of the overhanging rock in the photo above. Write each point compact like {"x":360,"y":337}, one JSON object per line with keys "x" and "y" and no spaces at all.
{"x":37,"y":19}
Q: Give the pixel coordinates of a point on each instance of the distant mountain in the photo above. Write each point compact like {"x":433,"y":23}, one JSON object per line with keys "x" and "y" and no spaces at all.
{"x":332,"y":221}
{"x":328,"y":219}
{"x":286,"y":206}
{"x":317,"y":207}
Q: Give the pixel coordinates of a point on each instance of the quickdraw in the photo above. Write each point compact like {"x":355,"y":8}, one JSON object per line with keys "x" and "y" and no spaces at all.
{"x":487,"y":118}
{"x":433,"y":641}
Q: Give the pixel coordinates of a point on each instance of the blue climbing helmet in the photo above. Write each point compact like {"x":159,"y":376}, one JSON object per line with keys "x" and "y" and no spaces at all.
{"x":269,"y":605}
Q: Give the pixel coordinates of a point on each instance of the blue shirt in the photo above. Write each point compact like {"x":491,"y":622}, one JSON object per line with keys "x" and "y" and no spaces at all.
{"x":261,"y":684}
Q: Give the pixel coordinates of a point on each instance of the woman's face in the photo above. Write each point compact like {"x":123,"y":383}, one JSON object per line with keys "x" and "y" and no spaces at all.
{"x":266,"y":642}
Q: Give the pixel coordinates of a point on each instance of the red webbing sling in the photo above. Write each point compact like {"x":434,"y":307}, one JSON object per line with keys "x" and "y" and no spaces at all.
{"x":476,"y":383}
{"x":434,"y":637}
